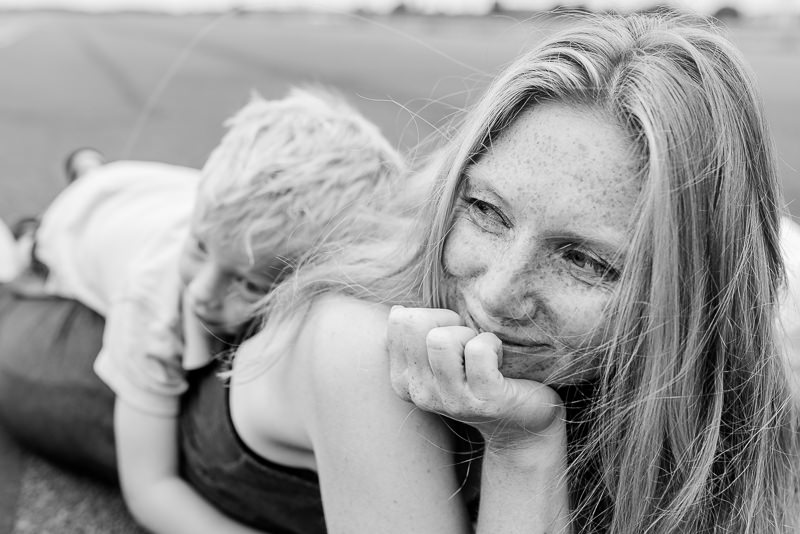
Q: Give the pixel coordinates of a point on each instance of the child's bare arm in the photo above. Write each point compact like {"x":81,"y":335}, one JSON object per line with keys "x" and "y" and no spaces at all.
{"x":147,"y":458}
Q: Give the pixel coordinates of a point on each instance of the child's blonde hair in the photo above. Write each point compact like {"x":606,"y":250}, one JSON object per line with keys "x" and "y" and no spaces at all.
{"x":288,"y":169}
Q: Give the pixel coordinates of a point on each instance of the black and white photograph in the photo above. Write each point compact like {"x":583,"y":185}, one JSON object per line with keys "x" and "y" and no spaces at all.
{"x":399,"y":267}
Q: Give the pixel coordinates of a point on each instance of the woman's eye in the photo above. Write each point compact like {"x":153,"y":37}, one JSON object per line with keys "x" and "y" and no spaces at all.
{"x":200,"y":246}
{"x":485,"y":215}
{"x":591,"y":265}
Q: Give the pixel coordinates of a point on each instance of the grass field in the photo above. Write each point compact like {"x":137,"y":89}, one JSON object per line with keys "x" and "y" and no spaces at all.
{"x":159,"y":87}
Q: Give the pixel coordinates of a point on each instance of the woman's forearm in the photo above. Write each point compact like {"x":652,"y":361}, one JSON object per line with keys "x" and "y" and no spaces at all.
{"x":525,"y":490}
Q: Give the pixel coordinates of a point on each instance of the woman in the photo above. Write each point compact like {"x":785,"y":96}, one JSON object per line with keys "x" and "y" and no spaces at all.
{"x":606,"y":224}
{"x":687,"y":426}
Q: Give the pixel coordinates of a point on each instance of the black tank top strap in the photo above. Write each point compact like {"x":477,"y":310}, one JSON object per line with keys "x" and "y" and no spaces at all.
{"x":242,"y":484}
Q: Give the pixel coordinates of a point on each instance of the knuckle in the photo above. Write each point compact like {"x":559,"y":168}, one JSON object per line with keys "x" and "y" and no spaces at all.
{"x":437,"y":339}
{"x":401,"y":390}
{"x":490,"y":340}
{"x":448,"y":317}
{"x":455,"y":407}
{"x":484,"y":392}
{"x":480,"y":379}
{"x":482,"y":346}
{"x":397,"y":321}
{"x":399,"y":381}
{"x":486,"y":410}
{"x":422,"y":397}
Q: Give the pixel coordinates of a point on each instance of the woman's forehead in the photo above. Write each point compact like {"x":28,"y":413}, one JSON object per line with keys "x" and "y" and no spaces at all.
{"x":568,"y":167}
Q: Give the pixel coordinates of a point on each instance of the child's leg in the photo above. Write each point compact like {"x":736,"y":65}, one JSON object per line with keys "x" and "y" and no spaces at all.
{"x":50,"y":398}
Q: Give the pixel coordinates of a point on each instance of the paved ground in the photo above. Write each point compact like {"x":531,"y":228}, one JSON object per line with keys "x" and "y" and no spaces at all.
{"x":159,"y":87}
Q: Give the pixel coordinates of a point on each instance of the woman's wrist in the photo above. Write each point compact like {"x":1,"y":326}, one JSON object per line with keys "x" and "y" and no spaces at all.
{"x":524,"y":449}
{"x":524,"y":484}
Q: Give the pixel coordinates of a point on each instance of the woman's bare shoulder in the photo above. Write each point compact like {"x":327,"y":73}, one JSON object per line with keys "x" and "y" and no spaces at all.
{"x":339,"y":320}
{"x":343,"y":341}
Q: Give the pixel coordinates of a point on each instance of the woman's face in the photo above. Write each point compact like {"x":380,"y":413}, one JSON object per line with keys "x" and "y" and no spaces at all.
{"x":540,"y":235}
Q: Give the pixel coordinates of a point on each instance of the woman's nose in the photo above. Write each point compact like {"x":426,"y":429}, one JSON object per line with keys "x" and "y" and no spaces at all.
{"x":509,"y":291}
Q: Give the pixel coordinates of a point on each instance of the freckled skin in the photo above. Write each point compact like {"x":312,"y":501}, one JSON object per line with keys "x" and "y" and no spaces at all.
{"x":562,"y":186}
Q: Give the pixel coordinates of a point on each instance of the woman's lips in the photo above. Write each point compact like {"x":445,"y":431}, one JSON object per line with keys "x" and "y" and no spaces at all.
{"x":508,"y":340}
{"x":520,"y":358}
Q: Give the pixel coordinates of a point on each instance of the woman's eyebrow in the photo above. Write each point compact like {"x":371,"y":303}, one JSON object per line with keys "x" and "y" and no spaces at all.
{"x":476,"y":178}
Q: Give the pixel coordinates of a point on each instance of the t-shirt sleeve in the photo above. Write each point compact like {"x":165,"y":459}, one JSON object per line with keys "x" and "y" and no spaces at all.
{"x":141,"y":355}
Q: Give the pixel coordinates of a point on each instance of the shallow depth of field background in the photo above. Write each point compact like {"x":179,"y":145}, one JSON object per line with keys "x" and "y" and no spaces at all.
{"x":151,"y":86}
{"x":158,"y":86}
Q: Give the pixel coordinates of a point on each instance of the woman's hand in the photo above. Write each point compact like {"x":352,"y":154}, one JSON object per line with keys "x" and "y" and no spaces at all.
{"x":442,"y":366}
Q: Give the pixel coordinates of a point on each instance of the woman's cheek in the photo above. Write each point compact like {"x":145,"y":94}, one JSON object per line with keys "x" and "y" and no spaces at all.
{"x":582,"y":313}
{"x":463,"y":252}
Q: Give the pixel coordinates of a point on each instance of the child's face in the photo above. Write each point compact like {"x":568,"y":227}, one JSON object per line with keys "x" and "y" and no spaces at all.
{"x":222,"y":283}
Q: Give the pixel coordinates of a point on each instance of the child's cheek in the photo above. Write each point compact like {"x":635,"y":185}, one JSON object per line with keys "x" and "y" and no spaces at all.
{"x":237,"y":309}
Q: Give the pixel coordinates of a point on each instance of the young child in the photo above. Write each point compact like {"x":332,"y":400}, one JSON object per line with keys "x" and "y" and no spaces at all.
{"x":175,"y":260}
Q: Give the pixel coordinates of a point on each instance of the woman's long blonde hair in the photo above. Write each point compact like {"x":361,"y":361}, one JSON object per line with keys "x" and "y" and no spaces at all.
{"x":689,"y":427}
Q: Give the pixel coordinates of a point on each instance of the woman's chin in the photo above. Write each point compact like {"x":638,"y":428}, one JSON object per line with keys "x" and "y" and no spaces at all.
{"x":546,"y":366}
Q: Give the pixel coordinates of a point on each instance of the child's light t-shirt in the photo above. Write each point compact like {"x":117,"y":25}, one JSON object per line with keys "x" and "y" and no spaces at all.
{"x":112,"y":240}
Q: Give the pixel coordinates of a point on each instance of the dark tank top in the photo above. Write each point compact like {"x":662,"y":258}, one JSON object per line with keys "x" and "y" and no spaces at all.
{"x":254,"y":491}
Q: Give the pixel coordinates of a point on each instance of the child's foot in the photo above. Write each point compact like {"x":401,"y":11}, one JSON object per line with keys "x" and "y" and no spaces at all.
{"x":31,"y":272}
{"x":24,"y":227}
{"x":24,"y":231}
{"x":81,"y":161}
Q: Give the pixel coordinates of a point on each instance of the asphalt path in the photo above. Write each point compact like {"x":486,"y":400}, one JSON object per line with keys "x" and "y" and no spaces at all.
{"x":159,"y":87}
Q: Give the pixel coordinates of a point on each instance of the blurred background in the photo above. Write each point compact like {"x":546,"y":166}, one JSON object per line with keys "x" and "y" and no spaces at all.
{"x":155,"y":79}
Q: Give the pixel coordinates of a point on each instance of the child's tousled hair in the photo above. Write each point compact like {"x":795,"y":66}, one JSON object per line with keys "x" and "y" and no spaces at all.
{"x":288,"y":169}
{"x":689,"y":426}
